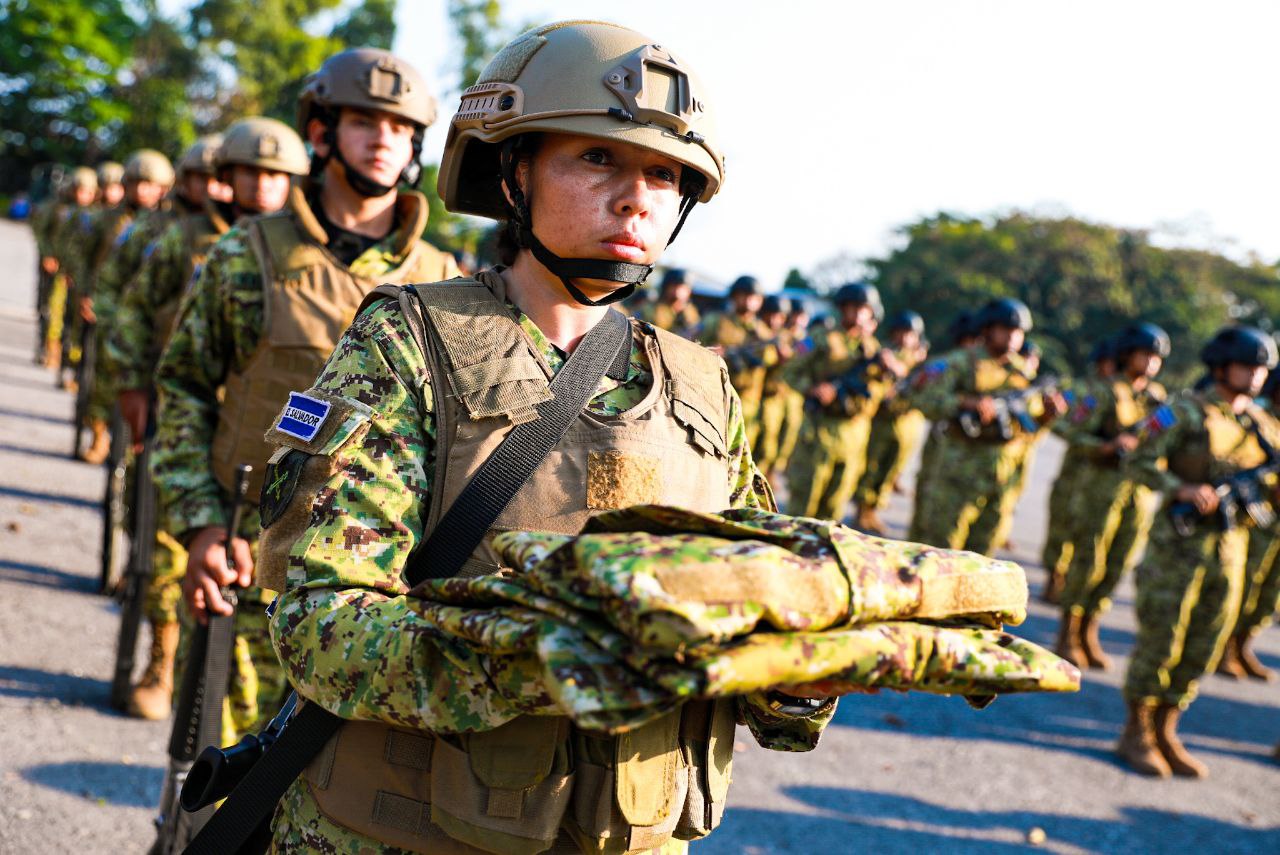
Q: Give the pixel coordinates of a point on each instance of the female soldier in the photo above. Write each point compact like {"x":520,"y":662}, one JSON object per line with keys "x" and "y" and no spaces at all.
{"x":593,"y":144}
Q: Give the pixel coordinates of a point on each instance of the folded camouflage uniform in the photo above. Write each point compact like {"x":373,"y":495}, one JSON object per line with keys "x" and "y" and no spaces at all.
{"x":651,"y":606}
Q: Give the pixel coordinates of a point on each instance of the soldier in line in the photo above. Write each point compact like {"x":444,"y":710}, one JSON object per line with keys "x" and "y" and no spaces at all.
{"x":776,"y":395}
{"x":401,"y":438}
{"x":272,"y":298}
{"x":1058,"y":548}
{"x":1023,"y":453}
{"x":148,"y":175}
{"x":1111,"y":514}
{"x":1261,"y":595}
{"x":797,"y":329}
{"x":143,"y":317}
{"x":895,"y":428}
{"x":963,"y":334}
{"x":746,"y":347}
{"x":673,"y":310}
{"x":972,"y":474}
{"x":843,"y":378}
{"x":1189,"y":584}
{"x":111,"y":186}
{"x":76,"y":192}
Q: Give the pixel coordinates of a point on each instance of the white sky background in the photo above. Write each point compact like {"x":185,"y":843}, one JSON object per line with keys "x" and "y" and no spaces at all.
{"x":843,"y":121}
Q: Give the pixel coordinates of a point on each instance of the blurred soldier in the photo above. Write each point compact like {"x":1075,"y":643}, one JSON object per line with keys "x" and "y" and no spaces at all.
{"x":1111,"y":514}
{"x":111,"y":190}
{"x":673,"y":310}
{"x":1023,"y":453}
{"x":1261,"y":595}
{"x":1189,"y":584}
{"x":273,"y":296}
{"x":895,"y":429}
{"x":963,"y":334}
{"x":843,"y":378}
{"x":74,"y":193}
{"x":777,"y":396}
{"x":798,"y":325}
{"x":1058,"y":547}
{"x":977,"y":400}
{"x":143,"y":318}
{"x":148,"y":175}
{"x":346,"y":618}
{"x":744,"y":344}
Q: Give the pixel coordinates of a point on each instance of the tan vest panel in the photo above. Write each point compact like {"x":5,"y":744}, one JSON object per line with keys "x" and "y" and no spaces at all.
{"x":311,"y":298}
{"x":537,"y":783}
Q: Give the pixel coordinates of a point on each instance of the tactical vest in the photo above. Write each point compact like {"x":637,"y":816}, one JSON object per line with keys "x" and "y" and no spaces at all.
{"x":1221,"y":444}
{"x":988,"y":376}
{"x":200,"y":231}
{"x":310,"y":299}
{"x":538,"y":783}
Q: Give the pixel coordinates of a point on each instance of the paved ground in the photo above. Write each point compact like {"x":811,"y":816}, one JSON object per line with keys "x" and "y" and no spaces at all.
{"x":895,"y":773}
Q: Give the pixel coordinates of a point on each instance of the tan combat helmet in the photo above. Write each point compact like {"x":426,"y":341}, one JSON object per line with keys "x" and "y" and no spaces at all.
{"x":110,"y":172}
{"x":199,"y":159}
{"x":589,"y":78}
{"x":264,"y":143}
{"x":147,"y":164}
{"x":81,"y":177}
{"x":371,"y":79}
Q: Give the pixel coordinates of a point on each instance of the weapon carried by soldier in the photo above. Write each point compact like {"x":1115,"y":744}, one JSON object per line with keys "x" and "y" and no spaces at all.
{"x":198,"y":717}
{"x":116,"y":510}
{"x":86,"y":370}
{"x":1013,"y":407}
{"x":133,"y":588}
{"x":1249,"y":490}
{"x":853,"y":384}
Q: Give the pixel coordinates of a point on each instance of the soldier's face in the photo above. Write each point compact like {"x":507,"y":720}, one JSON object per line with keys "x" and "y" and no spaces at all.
{"x":678,"y":295}
{"x":259,"y":191}
{"x":112,"y":194}
{"x":747,"y":304}
{"x":146,"y":194}
{"x":907,"y":339}
{"x":1245,"y":379}
{"x":1144,"y":363}
{"x":376,"y":144}
{"x":1001,"y":339}
{"x":774,"y":320}
{"x":84,"y":195}
{"x":858,"y":317}
{"x":601,"y":199}
{"x":195,"y":187}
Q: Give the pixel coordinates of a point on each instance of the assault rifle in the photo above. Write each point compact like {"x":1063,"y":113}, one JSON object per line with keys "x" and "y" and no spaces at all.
{"x":198,"y":717}
{"x":133,"y":588}
{"x":116,"y":508}
{"x":85,"y":372}
{"x":1246,"y":490}
{"x":1011,"y":407}
{"x":744,"y":357}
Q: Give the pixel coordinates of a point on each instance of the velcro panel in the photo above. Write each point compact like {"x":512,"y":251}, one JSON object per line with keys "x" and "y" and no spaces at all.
{"x":412,"y":750}
{"x":401,"y":813}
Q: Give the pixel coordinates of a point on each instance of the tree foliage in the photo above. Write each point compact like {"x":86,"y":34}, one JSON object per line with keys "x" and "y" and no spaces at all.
{"x":1082,"y":281}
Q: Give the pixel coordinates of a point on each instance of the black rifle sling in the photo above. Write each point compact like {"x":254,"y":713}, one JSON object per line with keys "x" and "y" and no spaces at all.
{"x":604,"y":350}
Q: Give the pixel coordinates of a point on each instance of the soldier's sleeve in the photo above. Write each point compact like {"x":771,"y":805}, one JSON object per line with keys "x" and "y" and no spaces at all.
{"x":748,"y":488}
{"x":131,"y":338}
{"x":341,"y":515}
{"x":188,"y":376}
{"x":1082,"y":423}
{"x":799,"y":372}
{"x":1148,"y":464}
{"x":940,"y":398}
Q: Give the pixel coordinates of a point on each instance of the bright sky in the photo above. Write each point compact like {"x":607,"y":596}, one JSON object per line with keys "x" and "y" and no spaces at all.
{"x":843,"y":121}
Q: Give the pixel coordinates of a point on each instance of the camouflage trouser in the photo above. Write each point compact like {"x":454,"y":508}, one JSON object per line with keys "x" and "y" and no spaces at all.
{"x":1107,"y":537}
{"x":826,"y":465}
{"x":1261,"y":595}
{"x":969,"y":490}
{"x":164,"y":588}
{"x":768,"y":445}
{"x":792,"y":424}
{"x":56,"y":309}
{"x":1058,"y":548}
{"x":1188,"y":598}
{"x":892,"y":442}
{"x":928,"y":453}
{"x":1023,"y":452}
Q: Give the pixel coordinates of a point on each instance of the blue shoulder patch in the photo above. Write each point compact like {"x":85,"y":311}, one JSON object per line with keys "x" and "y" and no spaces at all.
{"x":123,"y":236}
{"x":303,"y":416}
{"x":150,"y":248}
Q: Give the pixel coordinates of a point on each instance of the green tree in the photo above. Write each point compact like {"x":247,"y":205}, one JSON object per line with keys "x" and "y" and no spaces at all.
{"x":797,"y":280}
{"x":370,"y":24}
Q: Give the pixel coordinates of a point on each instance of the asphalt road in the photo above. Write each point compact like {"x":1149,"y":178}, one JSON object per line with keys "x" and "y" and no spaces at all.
{"x":894,"y":773}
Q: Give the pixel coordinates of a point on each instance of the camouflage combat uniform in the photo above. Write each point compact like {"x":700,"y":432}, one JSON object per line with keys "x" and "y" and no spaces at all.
{"x":895,"y":433}
{"x":221,"y":324}
{"x":1111,"y":514}
{"x":748,"y":354}
{"x":970,"y":482}
{"x":1189,"y":588}
{"x":831,"y":453}
{"x":367,"y":504}
{"x":779,"y":402}
{"x":663,"y":316}
{"x":45,"y":220}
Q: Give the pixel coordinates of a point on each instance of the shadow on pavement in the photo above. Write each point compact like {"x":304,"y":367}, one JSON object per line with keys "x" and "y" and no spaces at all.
{"x":35,"y":417}
{"x":39,"y":574}
{"x":40,"y":383}
{"x":34,"y":452}
{"x":119,"y":784}
{"x":19,"y":682}
{"x":50,"y":498}
{"x":868,"y":821}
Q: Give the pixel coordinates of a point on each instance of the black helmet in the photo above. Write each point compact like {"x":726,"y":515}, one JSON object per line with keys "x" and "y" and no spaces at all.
{"x":963,"y":325}
{"x":674,"y":276}
{"x":907,"y":320}
{"x":1142,"y":336}
{"x":744,"y":285}
{"x":860,"y":294}
{"x":776,"y":303}
{"x":1246,"y":345}
{"x":1007,"y":312}
{"x":1103,"y":350}
{"x":1029,"y":348}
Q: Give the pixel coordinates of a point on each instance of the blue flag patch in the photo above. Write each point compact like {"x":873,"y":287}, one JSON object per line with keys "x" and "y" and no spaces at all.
{"x":303,"y":416}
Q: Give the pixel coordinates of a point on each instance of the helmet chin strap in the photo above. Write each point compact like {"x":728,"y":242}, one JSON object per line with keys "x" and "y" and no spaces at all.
{"x":361,"y":183}
{"x":631,"y":276}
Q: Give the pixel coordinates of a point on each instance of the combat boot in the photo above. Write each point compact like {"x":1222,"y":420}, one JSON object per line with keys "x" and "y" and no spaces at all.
{"x":1137,"y":746}
{"x":869,"y":521}
{"x":1053,"y":588}
{"x":1180,"y":760}
{"x":53,"y":355}
{"x":152,"y":698}
{"x":1090,"y":645}
{"x":1068,"y":645}
{"x":1230,"y":665}
{"x":98,"y":451}
{"x":1249,"y":661}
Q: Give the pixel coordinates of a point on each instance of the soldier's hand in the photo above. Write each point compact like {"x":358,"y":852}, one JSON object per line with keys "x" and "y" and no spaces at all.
{"x":207,"y":571}
{"x":893,"y":364}
{"x":49,"y":264}
{"x":86,"y":310}
{"x":1123,"y":444}
{"x":1054,"y":405}
{"x":824,"y":393}
{"x":133,"y":409}
{"x":1203,"y":496}
{"x":986,"y":409}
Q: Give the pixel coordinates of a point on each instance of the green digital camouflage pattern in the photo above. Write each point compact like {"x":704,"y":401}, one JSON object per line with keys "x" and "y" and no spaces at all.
{"x":1189,"y":588}
{"x":1261,"y":595}
{"x":778,"y":399}
{"x":748,"y":353}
